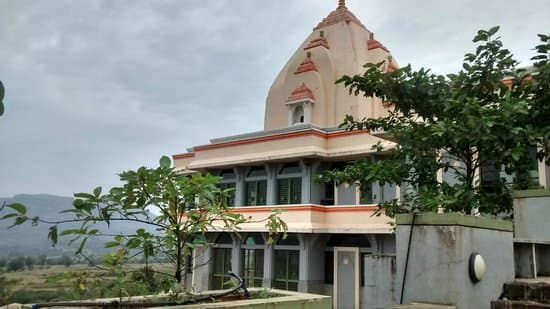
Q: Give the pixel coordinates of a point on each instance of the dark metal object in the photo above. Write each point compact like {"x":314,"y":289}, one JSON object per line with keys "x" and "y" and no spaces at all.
{"x":407,"y":259}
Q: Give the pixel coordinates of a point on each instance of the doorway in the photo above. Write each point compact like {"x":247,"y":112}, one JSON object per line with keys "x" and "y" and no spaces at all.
{"x":346,"y":277}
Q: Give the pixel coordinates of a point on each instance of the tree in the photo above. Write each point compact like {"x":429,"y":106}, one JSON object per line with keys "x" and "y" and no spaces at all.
{"x":458,"y":123}
{"x":180,"y":208}
{"x":16,"y":263}
{"x":29,"y":262}
{"x":42,"y":259}
{"x":66,"y":260}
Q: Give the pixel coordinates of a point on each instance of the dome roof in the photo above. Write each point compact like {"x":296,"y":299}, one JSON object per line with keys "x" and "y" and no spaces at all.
{"x":339,"y":45}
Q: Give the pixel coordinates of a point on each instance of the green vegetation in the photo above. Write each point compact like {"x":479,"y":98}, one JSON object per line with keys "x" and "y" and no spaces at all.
{"x":55,"y":283}
{"x":457,"y":123}
{"x":180,"y":208}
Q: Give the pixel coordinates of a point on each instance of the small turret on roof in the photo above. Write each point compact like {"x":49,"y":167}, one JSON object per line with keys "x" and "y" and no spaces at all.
{"x":320,"y":41}
{"x":373,"y":44}
{"x":301,"y":93}
{"x":306,"y":65}
{"x":340,"y":14}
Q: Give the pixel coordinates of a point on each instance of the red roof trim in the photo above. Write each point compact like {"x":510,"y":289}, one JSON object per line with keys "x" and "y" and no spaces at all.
{"x":340,"y":14}
{"x":321,"y":41}
{"x":306,"y":66}
{"x":300,"y":93}
{"x":183,"y":156}
{"x":373,"y":44}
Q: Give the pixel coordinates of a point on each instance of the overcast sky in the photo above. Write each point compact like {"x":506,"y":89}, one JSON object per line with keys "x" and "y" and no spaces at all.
{"x":97,"y":87}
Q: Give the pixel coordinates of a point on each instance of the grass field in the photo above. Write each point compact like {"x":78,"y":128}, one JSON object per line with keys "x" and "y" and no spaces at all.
{"x":33,"y":286}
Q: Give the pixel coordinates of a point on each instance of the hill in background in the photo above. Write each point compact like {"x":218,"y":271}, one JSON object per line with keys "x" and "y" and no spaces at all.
{"x":33,"y":240}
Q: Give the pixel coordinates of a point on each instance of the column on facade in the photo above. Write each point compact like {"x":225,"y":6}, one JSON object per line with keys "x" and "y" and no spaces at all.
{"x":236,"y":254}
{"x":307,"y":178}
{"x":268,"y":263}
{"x":271,"y":170}
{"x":311,"y":277}
{"x":544,"y":174}
{"x":202,"y":265}
{"x":239,"y":186}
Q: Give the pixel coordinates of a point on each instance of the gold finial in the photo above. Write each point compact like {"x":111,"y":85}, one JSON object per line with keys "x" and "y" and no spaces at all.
{"x":341,"y":2}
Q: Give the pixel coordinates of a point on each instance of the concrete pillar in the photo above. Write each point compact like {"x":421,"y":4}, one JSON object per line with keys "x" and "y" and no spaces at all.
{"x":306,"y":181}
{"x":271,"y":170}
{"x":311,"y":276}
{"x":307,"y":111}
{"x":239,"y":186}
{"x":269,"y":263}
{"x":236,"y":254}
{"x":544,"y":178}
{"x":374,"y":243}
{"x":202,"y":269}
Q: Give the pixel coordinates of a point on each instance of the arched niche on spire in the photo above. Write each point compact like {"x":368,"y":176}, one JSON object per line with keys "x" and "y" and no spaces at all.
{"x":300,"y":104}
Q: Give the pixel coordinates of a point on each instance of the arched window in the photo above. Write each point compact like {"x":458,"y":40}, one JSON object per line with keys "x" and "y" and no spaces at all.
{"x":298,"y":115}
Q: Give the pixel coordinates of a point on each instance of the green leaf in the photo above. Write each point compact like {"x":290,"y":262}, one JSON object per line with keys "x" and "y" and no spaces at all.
{"x":97,"y":192}
{"x":2,"y":91}
{"x":133,"y":243}
{"x":81,"y":247}
{"x":72,"y":231}
{"x":111,"y":244}
{"x":69,"y":210}
{"x":52,"y":235}
{"x":18,"y":221}
{"x":20,"y":208}
{"x":493,"y":30}
{"x":84,"y":195}
{"x":165,"y":162}
{"x":9,"y":216}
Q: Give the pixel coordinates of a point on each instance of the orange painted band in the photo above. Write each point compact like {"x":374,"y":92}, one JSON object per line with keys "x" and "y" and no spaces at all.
{"x":245,"y":209}
{"x":183,"y":156}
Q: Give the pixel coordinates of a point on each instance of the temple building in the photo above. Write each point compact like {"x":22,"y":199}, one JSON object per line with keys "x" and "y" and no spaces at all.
{"x":331,"y":227}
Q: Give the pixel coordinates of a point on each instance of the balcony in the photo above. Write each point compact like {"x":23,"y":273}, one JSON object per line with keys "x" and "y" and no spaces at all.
{"x":312,"y":218}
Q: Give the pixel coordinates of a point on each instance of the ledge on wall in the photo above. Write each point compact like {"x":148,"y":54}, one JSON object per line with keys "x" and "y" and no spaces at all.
{"x":531,"y":193}
{"x":455,"y":219}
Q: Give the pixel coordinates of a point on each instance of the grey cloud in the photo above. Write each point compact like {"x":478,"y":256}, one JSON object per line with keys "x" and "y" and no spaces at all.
{"x":96,"y":87}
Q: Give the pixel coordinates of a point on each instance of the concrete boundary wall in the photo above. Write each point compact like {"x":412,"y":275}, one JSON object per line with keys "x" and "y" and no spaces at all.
{"x":440,"y":249}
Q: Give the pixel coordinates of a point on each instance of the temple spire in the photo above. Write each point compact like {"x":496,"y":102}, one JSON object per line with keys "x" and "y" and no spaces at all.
{"x":341,"y":2}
